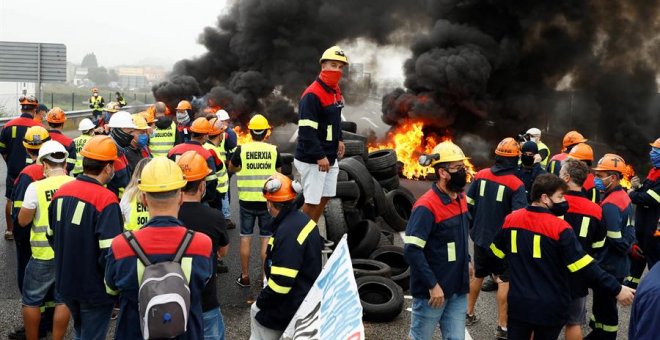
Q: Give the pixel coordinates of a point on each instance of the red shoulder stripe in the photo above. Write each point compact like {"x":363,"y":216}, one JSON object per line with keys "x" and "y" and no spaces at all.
{"x":324,"y":96}
{"x":618,"y":198}
{"x":589,"y":182}
{"x":654,"y":174}
{"x":91,"y":193}
{"x":21,"y":121}
{"x":440,"y":211}
{"x":538,"y":223}
{"x":162,"y":241}
{"x":510,"y":181}
{"x":34,"y":171}
{"x":559,"y":157}
{"x":583,"y":206}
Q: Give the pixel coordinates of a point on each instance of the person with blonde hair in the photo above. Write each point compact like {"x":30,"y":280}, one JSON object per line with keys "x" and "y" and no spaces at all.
{"x":135,"y":213}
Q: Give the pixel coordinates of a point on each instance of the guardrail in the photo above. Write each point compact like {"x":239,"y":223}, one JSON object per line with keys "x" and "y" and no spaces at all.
{"x":79,"y":114}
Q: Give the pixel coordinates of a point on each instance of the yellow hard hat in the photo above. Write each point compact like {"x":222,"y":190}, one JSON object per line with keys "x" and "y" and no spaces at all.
{"x":161,"y":174}
{"x":443,"y":153}
{"x":112,"y":107}
{"x":35,"y":136}
{"x":258,"y":122}
{"x":139,"y":121}
{"x":334,"y":53}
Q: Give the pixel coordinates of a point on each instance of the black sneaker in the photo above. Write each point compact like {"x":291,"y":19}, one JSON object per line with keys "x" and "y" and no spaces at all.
{"x":221,"y":268}
{"x":470,"y":319}
{"x":230,"y":224}
{"x":500,"y":333}
{"x":243,"y":281}
{"x":489,"y":285}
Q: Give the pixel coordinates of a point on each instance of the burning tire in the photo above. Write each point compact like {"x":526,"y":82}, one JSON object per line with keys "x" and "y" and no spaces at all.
{"x":391,"y":183}
{"x":335,"y":225}
{"x":381,"y":159}
{"x":363,"y":239}
{"x":400,"y":202}
{"x":394,"y":258}
{"x":353,"y":148}
{"x":366,"y":267}
{"x":381,"y":298}
{"x":349,"y":126}
{"x":358,"y":172}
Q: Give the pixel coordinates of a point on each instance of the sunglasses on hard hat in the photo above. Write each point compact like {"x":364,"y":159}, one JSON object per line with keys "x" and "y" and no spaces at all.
{"x":426,"y":160}
{"x":29,"y":98}
{"x":271,"y":186}
{"x":340,"y":53}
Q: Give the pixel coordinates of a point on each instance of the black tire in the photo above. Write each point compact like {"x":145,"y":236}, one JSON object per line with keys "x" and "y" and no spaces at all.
{"x":342,"y":176}
{"x":348,"y":191}
{"x":383,"y":174}
{"x":366,"y":267}
{"x":353,"y":148}
{"x":400,"y":202}
{"x":287,"y":158}
{"x":358,"y":158}
{"x":393,"y":256}
{"x":381,"y":159}
{"x":384,"y":240}
{"x":287,"y":169}
{"x":358,"y":172}
{"x":353,"y":136}
{"x":363,"y":239}
{"x":335,"y":224}
{"x":391,"y":183}
{"x":349,"y":126}
{"x":353,"y":215}
{"x":380,"y":202}
{"x":381,"y":298}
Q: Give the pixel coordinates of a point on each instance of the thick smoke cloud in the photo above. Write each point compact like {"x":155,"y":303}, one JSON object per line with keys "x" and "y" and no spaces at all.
{"x":176,"y":89}
{"x":263,"y":44}
{"x":500,"y":62}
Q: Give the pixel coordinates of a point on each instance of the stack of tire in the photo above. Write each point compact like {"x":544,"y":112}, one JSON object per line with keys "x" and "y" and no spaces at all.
{"x":368,"y":188}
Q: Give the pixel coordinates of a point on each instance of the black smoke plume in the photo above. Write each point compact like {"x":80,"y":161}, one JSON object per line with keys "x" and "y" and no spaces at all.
{"x":501,"y":61}
{"x":176,"y":89}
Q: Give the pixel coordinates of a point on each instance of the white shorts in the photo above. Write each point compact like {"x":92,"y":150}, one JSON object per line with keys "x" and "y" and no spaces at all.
{"x":317,"y":184}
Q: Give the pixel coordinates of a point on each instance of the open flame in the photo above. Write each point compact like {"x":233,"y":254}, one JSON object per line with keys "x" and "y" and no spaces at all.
{"x":409,"y":142}
{"x":243,"y":136}
{"x":627,"y":175}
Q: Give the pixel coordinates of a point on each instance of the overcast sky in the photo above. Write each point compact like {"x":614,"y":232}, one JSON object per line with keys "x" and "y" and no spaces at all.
{"x":118,"y":31}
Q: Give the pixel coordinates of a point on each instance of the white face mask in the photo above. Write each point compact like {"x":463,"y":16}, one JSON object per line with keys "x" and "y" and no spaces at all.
{"x":535,"y":139}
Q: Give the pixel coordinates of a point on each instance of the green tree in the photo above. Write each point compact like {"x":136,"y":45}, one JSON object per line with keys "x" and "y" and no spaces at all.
{"x":99,"y":75}
{"x":89,"y":61}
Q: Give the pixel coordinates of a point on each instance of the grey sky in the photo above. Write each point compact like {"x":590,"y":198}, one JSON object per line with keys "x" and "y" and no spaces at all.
{"x":119,"y":32}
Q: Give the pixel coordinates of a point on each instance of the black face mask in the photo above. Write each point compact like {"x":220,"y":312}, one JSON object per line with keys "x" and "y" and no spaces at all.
{"x":457,"y":181}
{"x":163,"y":123}
{"x":122,"y":138}
{"x":527,"y":160}
{"x":559,"y":209}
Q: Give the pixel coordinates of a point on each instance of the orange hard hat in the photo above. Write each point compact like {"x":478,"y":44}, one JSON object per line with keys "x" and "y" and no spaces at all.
{"x":193,"y":165}
{"x":571,"y":138}
{"x":56,"y":116}
{"x":279,"y":188}
{"x":508,"y":147}
{"x":100,"y":148}
{"x":184,"y":105}
{"x":200,"y":125}
{"x":28,"y":100}
{"x":611,"y":162}
{"x":582,"y":152}
{"x":656,"y":144}
{"x":216,"y":127}
{"x":148,"y":116}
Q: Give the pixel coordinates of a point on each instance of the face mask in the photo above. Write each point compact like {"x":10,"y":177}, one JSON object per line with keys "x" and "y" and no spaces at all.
{"x":142,"y":140}
{"x":599,"y":184}
{"x":122,"y":138}
{"x":96,"y":94}
{"x":457,"y":181}
{"x":182,"y":117}
{"x":559,"y":209}
{"x":527,"y":160}
{"x":331,"y":77}
{"x":534,"y":139}
{"x":655,"y":157}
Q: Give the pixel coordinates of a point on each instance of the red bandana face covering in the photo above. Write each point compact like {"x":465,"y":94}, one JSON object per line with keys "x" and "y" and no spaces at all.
{"x":331,"y":77}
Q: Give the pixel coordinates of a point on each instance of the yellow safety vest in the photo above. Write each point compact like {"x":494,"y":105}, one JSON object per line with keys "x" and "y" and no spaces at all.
{"x":223,"y":177}
{"x":257,"y":164}
{"x":163,"y":140}
{"x":96,"y":101}
{"x":542,"y":146}
{"x":80,"y":142}
{"x":46,"y":189}
{"x":139,"y":216}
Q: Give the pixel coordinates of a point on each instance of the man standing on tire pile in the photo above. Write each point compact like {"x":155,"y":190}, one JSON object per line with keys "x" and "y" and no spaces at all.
{"x":494,"y":193}
{"x":320,"y":142}
{"x":436,"y":246}
{"x":254,"y":163}
{"x":293,"y":261}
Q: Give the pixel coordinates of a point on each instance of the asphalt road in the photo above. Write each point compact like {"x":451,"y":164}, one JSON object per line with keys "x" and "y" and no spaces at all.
{"x":235,"y":301}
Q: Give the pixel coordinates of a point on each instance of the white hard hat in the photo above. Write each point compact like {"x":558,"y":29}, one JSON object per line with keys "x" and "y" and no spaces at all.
{"x":534,"y":132}
{"x":85,"y":124}
{"x":49,"y":148}
{"x":222,"y":115}
{"x":122,"y":119}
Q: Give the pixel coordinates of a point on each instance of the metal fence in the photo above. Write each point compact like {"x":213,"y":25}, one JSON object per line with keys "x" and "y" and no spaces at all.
{"x":79,"y":114}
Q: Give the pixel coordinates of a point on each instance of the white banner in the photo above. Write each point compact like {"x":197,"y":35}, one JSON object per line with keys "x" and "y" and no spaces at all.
{"x":332,"y":308}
